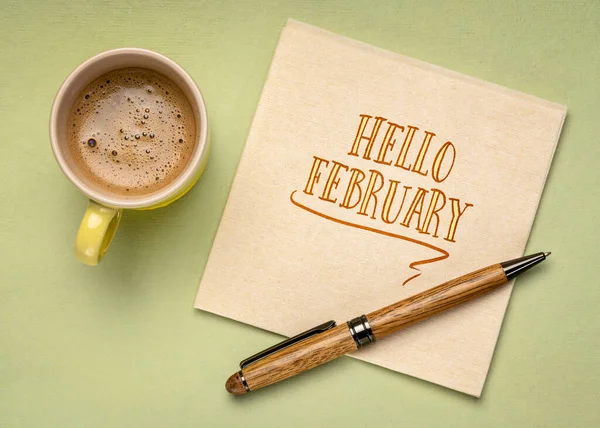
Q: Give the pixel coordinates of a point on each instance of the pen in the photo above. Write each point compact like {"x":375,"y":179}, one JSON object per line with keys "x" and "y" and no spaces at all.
{"x":329,"y":341}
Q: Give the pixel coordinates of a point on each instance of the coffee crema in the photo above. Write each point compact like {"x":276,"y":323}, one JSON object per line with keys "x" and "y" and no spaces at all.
{"x":132,"y":131}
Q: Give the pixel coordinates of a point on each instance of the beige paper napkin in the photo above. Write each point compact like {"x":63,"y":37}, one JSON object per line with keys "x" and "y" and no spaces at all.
{"x":368,"y":177}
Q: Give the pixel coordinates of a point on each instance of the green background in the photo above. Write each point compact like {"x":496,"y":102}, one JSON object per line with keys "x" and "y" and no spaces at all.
{"x":120,"y":345}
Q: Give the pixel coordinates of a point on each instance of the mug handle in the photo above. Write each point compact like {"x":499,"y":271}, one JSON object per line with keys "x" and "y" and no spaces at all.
{"x":96,"y":231}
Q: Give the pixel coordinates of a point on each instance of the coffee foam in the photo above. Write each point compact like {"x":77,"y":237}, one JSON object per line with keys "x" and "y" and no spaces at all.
{"x":132,"y":131}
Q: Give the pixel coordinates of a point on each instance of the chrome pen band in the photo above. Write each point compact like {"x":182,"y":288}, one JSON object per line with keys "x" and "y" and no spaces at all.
{"x":361,"y":331}
{"x":243,"y":379}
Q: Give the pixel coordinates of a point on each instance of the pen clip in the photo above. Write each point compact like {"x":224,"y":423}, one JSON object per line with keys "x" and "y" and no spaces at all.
{"x":286,"y":343}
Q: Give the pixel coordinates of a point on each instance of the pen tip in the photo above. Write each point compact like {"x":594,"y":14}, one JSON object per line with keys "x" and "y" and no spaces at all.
{"x":234,"y":384}
{"x":547,"y":254}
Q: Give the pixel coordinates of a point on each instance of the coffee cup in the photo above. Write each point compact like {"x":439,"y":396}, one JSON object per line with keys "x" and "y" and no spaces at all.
{"x":129,"y":129}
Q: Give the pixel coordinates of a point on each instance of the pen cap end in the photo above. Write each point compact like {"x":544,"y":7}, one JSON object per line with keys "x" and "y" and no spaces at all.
{"x":235,"y":385}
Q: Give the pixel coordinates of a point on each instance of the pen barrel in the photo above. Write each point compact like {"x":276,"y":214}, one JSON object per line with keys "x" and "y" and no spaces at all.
{"x":299,"y":357}
{"x":399,"y":315}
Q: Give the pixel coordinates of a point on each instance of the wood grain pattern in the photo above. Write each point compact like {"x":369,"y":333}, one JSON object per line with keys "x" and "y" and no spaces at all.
{"x":338,"y":341}
{"x":234,"y":384}
{"x":300,"y":357}
{"x":394,"y":317}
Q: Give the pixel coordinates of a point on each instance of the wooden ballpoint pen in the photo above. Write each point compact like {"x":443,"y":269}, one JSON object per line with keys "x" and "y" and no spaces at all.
{"x":328,"y":341}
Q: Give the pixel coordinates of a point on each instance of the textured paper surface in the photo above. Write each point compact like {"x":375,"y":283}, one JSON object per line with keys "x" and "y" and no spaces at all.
{"x":286,"y":257}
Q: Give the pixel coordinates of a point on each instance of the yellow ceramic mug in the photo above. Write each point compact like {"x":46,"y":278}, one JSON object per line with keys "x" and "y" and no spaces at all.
{"x":105,"y":208}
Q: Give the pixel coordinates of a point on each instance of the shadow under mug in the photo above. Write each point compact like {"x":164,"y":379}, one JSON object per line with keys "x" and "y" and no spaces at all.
{"x":105,"y":208}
